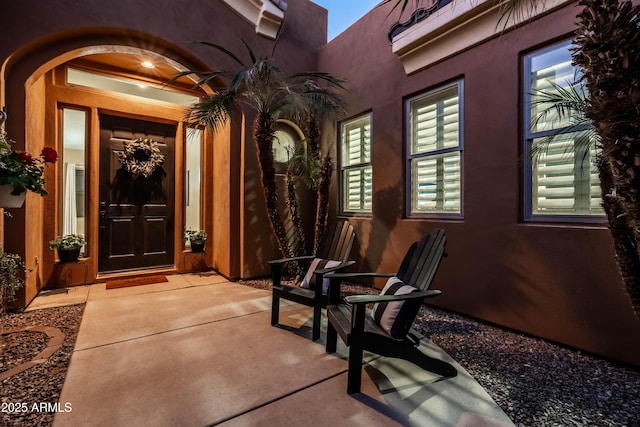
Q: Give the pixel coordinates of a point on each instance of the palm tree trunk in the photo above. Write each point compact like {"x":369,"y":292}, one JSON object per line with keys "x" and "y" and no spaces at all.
{"x":608,"y":51}
{"x":624,"y":243}
{"x":264,"y":133}
{"x":322,"y":180}
{"x":293,"y":205}
{"x":322,"y":198}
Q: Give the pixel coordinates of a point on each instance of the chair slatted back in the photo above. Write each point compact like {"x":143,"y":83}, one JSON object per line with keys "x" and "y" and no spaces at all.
{"x":336,"y":242}
{"x":422,"y":260}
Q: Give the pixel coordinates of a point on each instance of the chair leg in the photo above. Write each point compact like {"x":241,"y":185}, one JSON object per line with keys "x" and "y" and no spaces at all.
{"x":332,"y":338}
{"x":356,"y":348}
{"x":275,"y":309}
{"x":317,"y":316}
{"x":276,"y":275}
{"x":354,"y":376}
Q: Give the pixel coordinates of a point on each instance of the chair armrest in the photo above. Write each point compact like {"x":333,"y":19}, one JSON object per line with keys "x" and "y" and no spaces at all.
{"x":340,"y":266}
{"x":335,"y":280}
{"x":367,"y":274}
{"x":325,"y":273}
{"x":366,"y":299}
{"x":285,"y":260}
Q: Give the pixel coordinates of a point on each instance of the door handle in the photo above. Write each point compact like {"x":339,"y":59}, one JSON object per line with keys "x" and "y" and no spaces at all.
{"x":102,"y":225}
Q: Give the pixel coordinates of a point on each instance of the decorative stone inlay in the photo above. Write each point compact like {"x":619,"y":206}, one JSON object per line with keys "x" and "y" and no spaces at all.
{"x":56,"y":338}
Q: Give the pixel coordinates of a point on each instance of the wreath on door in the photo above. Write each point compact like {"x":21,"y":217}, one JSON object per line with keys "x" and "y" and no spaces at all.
{"x":141,"y":157}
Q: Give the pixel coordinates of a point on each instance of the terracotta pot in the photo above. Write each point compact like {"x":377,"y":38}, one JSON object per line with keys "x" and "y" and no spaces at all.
{"x":8,"y":200}
{"x":68,"y":255}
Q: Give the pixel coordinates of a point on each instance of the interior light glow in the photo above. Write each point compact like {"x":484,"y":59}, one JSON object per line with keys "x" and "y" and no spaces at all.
{"x":147,"y":64}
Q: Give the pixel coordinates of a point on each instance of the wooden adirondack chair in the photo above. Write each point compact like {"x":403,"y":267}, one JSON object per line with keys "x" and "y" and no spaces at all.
{"x":361,"y":332}
{"x":336,"y":246}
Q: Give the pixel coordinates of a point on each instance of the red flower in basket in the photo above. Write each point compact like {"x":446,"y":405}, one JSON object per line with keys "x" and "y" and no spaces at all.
{"x":49,"y":155}
{"x":21,"y":169}
{"x":26,"y":158}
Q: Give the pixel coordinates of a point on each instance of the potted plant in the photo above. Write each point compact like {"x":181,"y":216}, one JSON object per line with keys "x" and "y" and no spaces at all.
{"x":68,"y":246}
{"x":196,"y":239}
{"x":11,"y":268}
{"x":20,"y":171}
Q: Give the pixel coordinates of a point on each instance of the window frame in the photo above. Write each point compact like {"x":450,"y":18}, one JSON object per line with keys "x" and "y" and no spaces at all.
{"x":527,"y":142}
{"x":361,"y":165}
{"x":85,"y":167}
{"x":410,"y":157}
{"x":188,"y":136}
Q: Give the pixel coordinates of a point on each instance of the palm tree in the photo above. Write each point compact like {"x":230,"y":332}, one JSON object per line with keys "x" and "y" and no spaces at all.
{"x":607,"y":49}
{"x":316,"y":170}
{"x":608,"y":52}
{"x":261,"y":86}
{"x":315,"y":167}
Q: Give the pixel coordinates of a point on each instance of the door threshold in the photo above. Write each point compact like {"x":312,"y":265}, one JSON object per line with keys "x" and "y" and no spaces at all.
{"x":135,"y":273}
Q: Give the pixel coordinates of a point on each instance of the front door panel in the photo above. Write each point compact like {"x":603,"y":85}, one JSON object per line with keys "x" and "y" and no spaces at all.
{"x":136,"y":212}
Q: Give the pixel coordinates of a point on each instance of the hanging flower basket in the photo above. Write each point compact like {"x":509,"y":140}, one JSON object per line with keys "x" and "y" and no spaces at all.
{"x":21,"y":171}
{"x":8,"y":200}
{"x":141,"y":157}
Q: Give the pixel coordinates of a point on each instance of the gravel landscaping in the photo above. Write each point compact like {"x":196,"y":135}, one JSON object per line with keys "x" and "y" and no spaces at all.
{"x":535,"y":382}
{"x":39,"y":385}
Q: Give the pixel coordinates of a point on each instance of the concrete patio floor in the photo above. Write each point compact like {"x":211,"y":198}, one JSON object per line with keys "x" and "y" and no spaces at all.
{"x":199,"y":350}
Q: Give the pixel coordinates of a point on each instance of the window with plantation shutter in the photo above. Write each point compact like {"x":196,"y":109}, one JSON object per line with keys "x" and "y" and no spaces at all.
{"x":435,"y":152}
{"x":562,"y":180}
{"x":355,"y":168}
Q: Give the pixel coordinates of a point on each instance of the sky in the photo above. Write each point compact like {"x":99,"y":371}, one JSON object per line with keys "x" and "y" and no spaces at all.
{"x":343,"y":13}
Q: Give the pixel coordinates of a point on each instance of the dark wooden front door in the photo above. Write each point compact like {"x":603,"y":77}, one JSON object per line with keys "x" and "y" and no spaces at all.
{"x":136,"y":212}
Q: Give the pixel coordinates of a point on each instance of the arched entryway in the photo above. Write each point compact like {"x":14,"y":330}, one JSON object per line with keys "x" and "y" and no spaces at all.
{"x":49,"y":95}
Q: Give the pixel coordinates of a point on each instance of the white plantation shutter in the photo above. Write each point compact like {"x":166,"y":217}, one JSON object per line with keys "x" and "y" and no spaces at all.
{"x":554,"y":178}
{"x":357,"y":172}
{"x":595,"y":192}
{"x":357,"y":143}
{"x":358,"y":189}
{"x":436,"y":183}
{"x":564,"y":180}
{"x":435,"y":152}
{"x":435,"y":122}
{"x":545,"y":80}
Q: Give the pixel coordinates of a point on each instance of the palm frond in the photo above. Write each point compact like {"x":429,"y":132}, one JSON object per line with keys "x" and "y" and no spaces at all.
{"x":251,"y":54}
{"x":582,"y":142}
{"x":318,"y":75}
{"x":518,"y":11}
{"x":213,"y":111}
{"x":303,"y":165}
{"x":206,"y":78}
{"x":564,"y":102}
{"x":181,"y":74}
{"x":324,"y":102}
{"x":223,"y":50}
{"x":237,"y":81}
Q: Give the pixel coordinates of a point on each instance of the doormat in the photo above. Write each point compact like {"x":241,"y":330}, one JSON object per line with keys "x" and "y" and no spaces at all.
{"x":137,"y":281}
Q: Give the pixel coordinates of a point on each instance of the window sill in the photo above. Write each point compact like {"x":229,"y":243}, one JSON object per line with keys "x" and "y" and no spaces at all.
{"x":589,"y":222}
{"x":355,"y":215}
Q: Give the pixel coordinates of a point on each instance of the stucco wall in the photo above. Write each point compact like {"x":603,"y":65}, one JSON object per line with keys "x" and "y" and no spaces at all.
{"x":60,"y":28}
{"x":551,"y":280}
